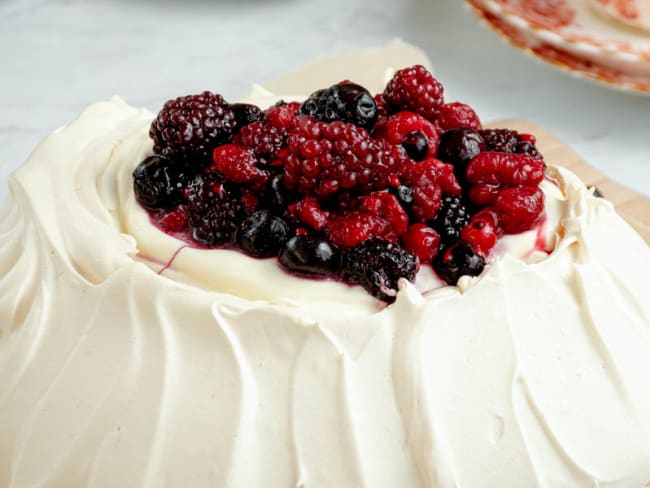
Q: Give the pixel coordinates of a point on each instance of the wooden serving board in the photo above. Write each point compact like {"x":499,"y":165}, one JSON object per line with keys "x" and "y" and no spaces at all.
{"x":632,"y":205}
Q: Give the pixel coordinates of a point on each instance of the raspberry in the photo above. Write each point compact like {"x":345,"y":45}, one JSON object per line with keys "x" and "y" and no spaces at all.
{"x":422,"y":241}
{"x":237,"y":164}
{"x":482,"y":231}
{"x":459,"y":147}
{"x":267,"y":137}
{"x":482,"y":194}
{"x":414,"y":89}
{"x":310,"y":256}
{"x":346,"y":101}
{"x":458,"y":260}
{"x":454,"y":115}
{"x":352,"y":228}
{"x":520,"y":209}
{"x":323,"y":159}
{"x":381,"y":105}
{"x":309,"y":212}
{"x":188,"y":128}
{"x":397,"y":128}
{"x":215,"y":211}
{"x":174,"y":221}
{"x":450,"y":220}
{"x":263,"y":235}
{"x":429,"y":180}
{"x":495,"y":168}
{"x":377,"y":265}
{"x":386,"y":206}
{"x":158,"y":183}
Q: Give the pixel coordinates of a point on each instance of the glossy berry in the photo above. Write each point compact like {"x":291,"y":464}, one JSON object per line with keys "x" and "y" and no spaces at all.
{"x":158,"y":183}
{"x":275,"y":193}
{"x":245,"y":114}
{"x":347,"y":102}
{"x":520,"y":209}
{"x":263,"y":235}
{"x":237,"y":164}
{"x":456,"y":261}
{"x":377,"y":265}
{"x":308,"y":212}
{"x":323,"y":159}
{"x":189,"y":128}
{"x":386,"y":205}
{"x":215,"y":210}
{"x":495,"y":168}
{"x":456,"y":114}
{"x":404,"y":196}
{"x":422,"y":241}
{"x":351,"y":228}
{"x":482,"y":231}
{"x":414,"y":89}
{"x":450,"y":219}
{"x":459,"y":146}
{"x":510,"y":141}
{"x":415,"y":133}
{"x":310,"y":256}
{"x":175,"y":220}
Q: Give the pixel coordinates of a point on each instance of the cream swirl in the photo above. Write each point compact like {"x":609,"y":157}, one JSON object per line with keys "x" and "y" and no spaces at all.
{"x":533,"y":374}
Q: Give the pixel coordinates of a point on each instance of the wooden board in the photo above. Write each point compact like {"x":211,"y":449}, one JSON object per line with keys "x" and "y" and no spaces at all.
{"x":632,"y":205}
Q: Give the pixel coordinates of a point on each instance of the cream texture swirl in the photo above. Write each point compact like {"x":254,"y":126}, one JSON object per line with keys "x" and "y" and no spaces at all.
{"x":537,"y":373}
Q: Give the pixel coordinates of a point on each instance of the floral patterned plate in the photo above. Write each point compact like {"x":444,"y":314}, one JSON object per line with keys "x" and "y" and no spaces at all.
{"x":574,"y":24}
{"x":562,"y":59}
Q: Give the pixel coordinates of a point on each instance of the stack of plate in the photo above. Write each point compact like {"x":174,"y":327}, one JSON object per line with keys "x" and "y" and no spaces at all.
{"x":575,"y":37}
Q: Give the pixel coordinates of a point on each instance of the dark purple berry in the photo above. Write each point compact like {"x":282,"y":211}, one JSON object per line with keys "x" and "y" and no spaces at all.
{"x":450,"y":220}
{"x":456,"y":261}
{"x":245,"y":114}
{"x":459,"y":146}
{"x":215,"y":210}
{"x":276,"y":194}
{"x":188,"y":128}
{"x":377,"y":265}
{"x":158,"y":183}
{"x":310,"y":256}
{"x":527,"y":147}
{"x":416,"y":146}
{"x":347,"y":102}
{"x":500,"y":140}
{"x":263,"y":234}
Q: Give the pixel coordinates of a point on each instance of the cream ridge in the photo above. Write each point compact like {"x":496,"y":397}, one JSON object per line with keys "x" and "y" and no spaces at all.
{"x":125,"y":361}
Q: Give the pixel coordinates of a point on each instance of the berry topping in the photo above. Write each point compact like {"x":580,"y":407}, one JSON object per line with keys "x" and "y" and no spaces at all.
{"x":263,"y":235}
{"x":268,"y":136}
{"x":520,"y":209}
{"x":456,"y":114}
{"x":352,"y":228}
{"x":347,"y":102}
{"x":215,"y":210}
{"x":309,"y":212}
{"x":404,"y":196}
{"x":386,"y":206}
{"x":450,"y":220}
{"x":377,"y":265}
{"x":310,"y":256}
{"x":459,"y":146}
{"x":189,"y":128}
{"x":510,"y":141}
{"x":323,"y":159}
{"x":237,"y":164}
{"x":158,"y":183}
{"x":245,"y":114}
{"x":482,"y":231}
{"x":174,"y":221}
{"x":414,"y":89}
{"x":458,"y":260}
{"x":495,"y":168}
{"x":399,"y":127}
{"x":422,"y":241}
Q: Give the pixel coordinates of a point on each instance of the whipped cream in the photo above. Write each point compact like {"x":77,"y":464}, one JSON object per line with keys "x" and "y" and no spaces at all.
{"x":221,"y":370}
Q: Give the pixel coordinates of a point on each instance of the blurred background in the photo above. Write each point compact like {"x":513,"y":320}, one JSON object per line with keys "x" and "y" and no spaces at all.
{"x":57,"y":56}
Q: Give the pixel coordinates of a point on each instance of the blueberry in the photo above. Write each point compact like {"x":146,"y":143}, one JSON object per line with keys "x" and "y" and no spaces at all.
{"x":416,"y":146}
{"x":158,"y":183}
{"x":263,"y":235}
{"x":458,"y":260}
{"x":459,"y":146}
{"x":310,"y":256}
{"x":348,"y":102}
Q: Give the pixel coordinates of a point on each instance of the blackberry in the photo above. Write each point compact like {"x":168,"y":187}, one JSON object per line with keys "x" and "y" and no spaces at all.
{"x":450,"y":220}
{"x":215,"y":210}
{"x":500,"y":140}
{"x":245,"y":114}
{"x":263,"y":235}
{"x":377,"y":265}
{"x":458,"y":147}
{"x":414,"y":89}
{"x":158,"y":183}
{"x":528,"y":147}
{"x":347,"y":102}
{"x":456,"y":261}
{"x":416,"y":145}
{"x":188,"y":128}
{"x":310,"y":256}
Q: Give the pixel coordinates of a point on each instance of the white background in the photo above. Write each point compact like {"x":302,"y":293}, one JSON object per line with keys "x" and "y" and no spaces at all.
{"x":57,"y":56}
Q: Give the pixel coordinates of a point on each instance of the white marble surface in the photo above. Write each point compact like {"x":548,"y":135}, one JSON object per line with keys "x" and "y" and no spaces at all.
{"x":56,"y":56}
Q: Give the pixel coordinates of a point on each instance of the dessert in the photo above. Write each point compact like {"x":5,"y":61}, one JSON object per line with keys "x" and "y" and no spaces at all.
{"x":243,"y":300}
